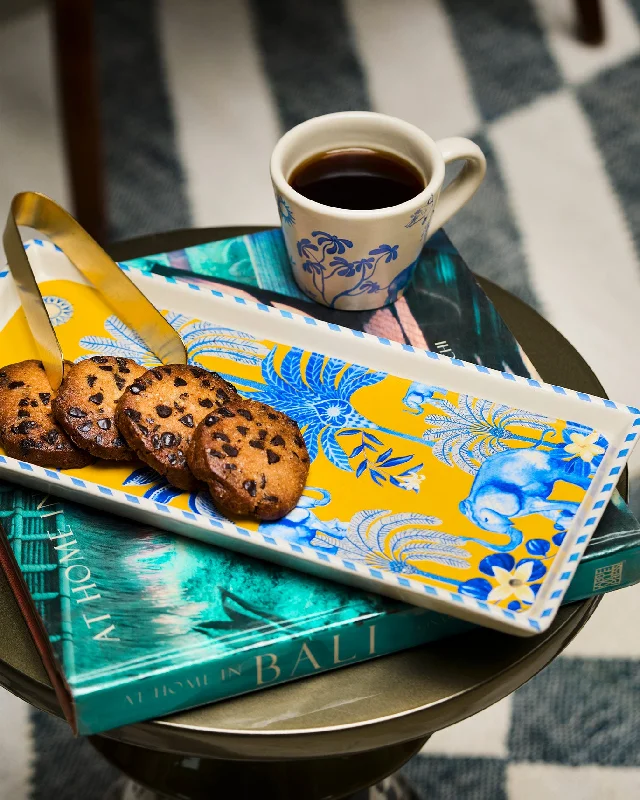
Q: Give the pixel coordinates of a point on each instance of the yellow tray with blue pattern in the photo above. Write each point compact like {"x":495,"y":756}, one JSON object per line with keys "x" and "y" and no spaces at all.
{"x":434,"y":481}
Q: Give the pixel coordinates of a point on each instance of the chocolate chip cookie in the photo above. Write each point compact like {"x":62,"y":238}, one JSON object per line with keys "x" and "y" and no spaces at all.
{"x":253,"y":459}
{"x":28,"y":430}
{"x":85,"y":406}
{"x":159,"y":412}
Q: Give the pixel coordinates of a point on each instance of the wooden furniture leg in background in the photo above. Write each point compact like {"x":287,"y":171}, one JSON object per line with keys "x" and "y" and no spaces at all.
{"x":75,"y":54}
{"x":590,"y":21}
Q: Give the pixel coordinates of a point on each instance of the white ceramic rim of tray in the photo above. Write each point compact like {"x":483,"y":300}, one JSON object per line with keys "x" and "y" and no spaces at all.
{"x":618,"y":422}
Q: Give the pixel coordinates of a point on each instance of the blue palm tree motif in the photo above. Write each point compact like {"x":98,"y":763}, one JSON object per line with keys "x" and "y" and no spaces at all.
{"x":466,"y":434}
{"x":200,"y":338}
{"x":204,"y":338}
{"x":393,"y":542}
{"x":318,"y":396}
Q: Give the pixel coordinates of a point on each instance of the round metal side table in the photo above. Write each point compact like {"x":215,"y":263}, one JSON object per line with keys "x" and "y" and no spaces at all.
{"x":337,"y":733}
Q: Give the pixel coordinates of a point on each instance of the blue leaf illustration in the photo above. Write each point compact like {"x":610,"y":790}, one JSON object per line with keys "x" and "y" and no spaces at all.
{"x":163,"y":493}
{"x":141,"y":477}
{"x":113,"y":347}
{"x":119,"y":330}
{"x":175,"y":319}
{"x":361,"y":468}
{"x":291,"y":369}
{"x":332,"y":369}
{"x":355,"y":378}
{"x":538,"y":547}
{"x":356,"y":451}
{"x":409,"y":471}
{"x":395,"y":462}
{"x":389,"y":251}
{"x":503,"y":560}
{"x":311,"y":434}
{"x":332,"y":450}
{"x":378,"y":477}
{"x":201,"y":503}
{"x":271,"y":377}
{"x":384,"y":455}
{"x":314,"y":369}
{"x":372,"y":438}
{"x":476,"y":587}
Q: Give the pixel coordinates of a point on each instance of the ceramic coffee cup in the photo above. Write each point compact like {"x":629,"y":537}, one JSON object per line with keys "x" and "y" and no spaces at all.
{"x":356,"y":260}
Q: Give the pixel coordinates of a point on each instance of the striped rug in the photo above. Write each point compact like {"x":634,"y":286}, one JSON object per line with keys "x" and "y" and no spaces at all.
{"x":194,"y":95}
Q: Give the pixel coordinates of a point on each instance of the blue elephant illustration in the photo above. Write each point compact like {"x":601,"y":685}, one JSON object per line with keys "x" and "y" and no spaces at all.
{"x":516,"y":483}
{"x":418,"y":395}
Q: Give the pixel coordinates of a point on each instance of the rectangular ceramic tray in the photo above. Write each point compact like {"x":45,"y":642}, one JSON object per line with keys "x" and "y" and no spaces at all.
{"x":441,"y":483}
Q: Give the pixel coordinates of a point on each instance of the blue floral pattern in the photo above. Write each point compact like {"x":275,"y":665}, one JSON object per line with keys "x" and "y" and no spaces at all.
{"x":324,"y":257}
{"x":466,"y":434}
{"x":517,"y":582}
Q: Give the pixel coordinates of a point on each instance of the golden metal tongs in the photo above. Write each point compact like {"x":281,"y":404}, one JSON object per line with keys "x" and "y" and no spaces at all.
{"x":38,"y":211}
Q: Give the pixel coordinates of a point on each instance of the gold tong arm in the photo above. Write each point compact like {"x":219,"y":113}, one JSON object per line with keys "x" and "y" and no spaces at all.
{"x":38,"y":211}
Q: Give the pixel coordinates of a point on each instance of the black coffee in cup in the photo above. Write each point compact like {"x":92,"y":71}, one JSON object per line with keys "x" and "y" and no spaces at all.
{"x":357,"y":179}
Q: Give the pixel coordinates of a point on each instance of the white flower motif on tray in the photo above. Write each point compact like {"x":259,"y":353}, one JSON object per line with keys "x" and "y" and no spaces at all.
{"x":584,"y":446}
{"x":513,"y":583}
{"x":412,"y":481}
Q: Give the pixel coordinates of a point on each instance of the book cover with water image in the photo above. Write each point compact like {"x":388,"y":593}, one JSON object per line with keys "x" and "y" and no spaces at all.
{"x":141,"y":623}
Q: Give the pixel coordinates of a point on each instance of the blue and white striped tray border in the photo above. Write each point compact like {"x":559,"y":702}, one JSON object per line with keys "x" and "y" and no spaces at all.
{"x":520,"y":620}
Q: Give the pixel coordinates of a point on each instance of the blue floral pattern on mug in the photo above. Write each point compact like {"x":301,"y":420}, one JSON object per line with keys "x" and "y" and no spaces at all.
{"x":326,"y":257}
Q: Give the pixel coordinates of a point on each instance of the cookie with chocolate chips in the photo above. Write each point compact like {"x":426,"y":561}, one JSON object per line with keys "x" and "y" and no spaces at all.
{"x":28,"y":430}
{"x":253,"y":459}
{"x":85,"y":406}
{"x":158,"y":414}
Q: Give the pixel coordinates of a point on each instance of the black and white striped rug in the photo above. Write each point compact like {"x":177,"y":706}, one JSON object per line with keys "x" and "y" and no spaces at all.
{"x":194,"y":95}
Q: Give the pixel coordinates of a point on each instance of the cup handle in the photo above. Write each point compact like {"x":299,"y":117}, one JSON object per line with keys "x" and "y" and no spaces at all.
{"x":465,"y":184}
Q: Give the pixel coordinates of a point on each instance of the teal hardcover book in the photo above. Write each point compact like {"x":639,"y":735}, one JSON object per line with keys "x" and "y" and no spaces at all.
{"x":135,"y":623}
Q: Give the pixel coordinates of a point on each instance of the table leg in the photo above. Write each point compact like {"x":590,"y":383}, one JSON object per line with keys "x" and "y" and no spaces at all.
{"x":160,"y":776}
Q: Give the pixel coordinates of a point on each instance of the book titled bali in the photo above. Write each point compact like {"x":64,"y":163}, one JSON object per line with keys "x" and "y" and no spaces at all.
{"x":134,"y":623}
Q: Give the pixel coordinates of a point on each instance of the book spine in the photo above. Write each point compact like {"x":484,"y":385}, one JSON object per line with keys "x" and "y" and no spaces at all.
{"x":267,"y":665}
{"x":290,"y":659}
{"x":604,"y":573}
